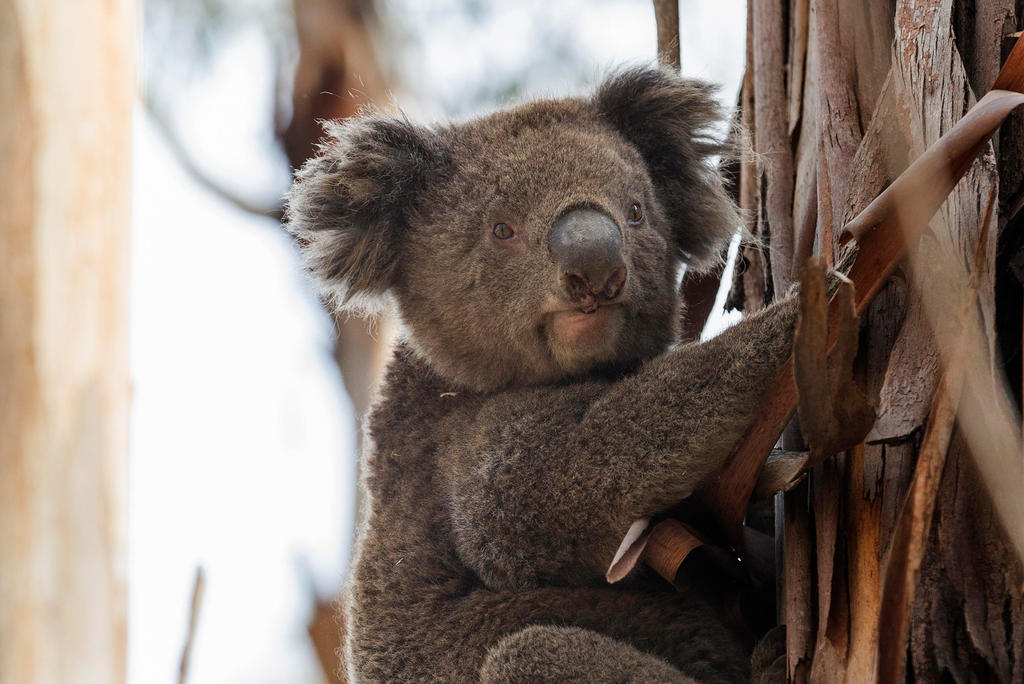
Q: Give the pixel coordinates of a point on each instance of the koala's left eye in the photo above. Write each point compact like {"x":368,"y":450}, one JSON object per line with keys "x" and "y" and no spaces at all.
{"x":635,"y":215}
{"x":503,"y":231}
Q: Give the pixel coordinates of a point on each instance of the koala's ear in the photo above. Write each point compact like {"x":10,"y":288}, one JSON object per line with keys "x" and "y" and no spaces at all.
{"x":350,"y":205}
{"x":670,"y":120}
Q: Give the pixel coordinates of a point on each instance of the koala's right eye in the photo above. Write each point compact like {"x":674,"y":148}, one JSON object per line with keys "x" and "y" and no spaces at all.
{"x":503,"y":231}
{"x":635,"y":215}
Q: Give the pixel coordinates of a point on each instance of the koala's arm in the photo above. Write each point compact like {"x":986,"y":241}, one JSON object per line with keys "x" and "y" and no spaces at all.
{"x":678,"y":419}
{"x":547,"y":490}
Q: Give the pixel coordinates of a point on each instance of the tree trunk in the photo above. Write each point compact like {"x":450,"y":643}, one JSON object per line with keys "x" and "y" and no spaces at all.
{"x":67,"y":86}
{"x":843,"y":95}
{"x":337,"y":74}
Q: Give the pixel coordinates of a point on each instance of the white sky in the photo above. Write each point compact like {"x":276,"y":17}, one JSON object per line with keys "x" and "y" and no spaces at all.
{"x":242,"y":438}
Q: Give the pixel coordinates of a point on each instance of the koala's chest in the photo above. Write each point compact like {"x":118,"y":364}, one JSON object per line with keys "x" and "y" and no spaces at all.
{"x":407,"y":485}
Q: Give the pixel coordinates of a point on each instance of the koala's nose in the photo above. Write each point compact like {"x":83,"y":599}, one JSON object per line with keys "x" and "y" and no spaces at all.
{"x":587,"y":247}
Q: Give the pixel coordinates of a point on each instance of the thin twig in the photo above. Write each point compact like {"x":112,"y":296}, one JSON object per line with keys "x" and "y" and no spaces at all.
{"x":177,"y":146}
{"x":193,"y":621}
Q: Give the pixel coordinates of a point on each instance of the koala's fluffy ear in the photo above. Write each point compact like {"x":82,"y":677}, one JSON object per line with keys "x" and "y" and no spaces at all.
{"x":350,"y":205}
{"x":669,"y":119}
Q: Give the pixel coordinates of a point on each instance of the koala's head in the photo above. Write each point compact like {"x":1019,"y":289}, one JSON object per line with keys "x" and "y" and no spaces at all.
{"x":529,"y":245}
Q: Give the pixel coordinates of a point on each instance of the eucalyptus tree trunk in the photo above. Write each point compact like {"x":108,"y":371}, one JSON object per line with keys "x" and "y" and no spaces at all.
{"x":67,"y":87}
{"x":839,"y":97}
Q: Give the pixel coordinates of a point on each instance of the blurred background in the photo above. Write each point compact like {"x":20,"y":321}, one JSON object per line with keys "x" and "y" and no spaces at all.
{"x":246,"y":396}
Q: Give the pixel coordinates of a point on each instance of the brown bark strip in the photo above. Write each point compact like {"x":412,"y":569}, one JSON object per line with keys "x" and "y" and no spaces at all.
{"x":968,"y":615}
{"x":834,"y":414}
{"x":749,"y":279}
{"x":668,"y":545}
{"x":666,"y":16}
{"x":868,"y":26}
{"x":782,"y":471}
{"x":933,"y":91}
{"x":907,"y":551}
{"x":798,"y":27}
{"x":829,"y":540}
{"x":910,"y":379}
{"x":931,"y":177}
{"x":991,"y":21}
{"x":1011,"y":76}
{"x":806,"y":211}
{"x":838,"y":119}
{"x":861,"y":536}
{"x":775,"y":217}
{"x":798,"y":583}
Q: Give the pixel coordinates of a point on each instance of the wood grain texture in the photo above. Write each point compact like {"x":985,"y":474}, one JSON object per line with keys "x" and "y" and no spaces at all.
{"x":798,"y":591}
{"x":903,"y":570}
{"x":968,"y":614}
{"x":771,"y":121}
{"x":838,"y":115}
{"x":834,"y":414}
{"x":67,"y":85}
{"x":798,"y":35}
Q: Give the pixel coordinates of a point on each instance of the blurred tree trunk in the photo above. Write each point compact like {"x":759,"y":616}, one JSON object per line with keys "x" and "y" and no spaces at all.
{"x":338,"y":72}
{"x":844,"y":94}
{"x":67,"y":84}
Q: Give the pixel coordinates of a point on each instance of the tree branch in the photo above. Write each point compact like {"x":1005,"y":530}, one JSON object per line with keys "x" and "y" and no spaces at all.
{"x":177,"y":146}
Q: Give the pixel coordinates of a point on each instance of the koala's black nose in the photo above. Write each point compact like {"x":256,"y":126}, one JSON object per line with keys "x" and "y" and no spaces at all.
{"x":587,"y":246}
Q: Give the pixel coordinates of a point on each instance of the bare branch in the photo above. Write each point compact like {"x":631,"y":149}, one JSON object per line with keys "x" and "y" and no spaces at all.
{"x":193,"y":621}
{"x":177,"y":145}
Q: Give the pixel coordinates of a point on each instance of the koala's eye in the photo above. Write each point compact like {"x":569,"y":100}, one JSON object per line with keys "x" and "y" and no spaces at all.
{"x":635,"y":215}
{"x":503,"y":231}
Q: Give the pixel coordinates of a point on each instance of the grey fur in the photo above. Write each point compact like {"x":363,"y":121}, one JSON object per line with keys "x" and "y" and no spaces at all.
{"x":508,"y":463}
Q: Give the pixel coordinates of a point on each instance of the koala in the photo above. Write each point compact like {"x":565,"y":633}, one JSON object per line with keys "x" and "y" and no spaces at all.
{"x":538,"y":403}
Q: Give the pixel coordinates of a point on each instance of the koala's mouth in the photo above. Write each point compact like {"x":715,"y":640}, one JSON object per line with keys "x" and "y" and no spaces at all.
{"x":586,"y":329}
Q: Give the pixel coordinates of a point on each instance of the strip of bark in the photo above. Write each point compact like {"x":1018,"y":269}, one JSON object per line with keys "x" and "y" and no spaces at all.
{"x":912,"y":531}
{"x":772,"y":142}
{"x":834,"y":415}
{"x":666,"y":16}
{"x":798,"y":573}
{"x":838,"y":120}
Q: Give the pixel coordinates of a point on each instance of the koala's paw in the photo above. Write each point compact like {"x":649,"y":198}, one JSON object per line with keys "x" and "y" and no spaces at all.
{"x":560,"y":654}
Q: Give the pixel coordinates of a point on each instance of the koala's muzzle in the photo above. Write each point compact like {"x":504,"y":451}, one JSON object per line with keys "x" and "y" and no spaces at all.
{"x":587,"y":247}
